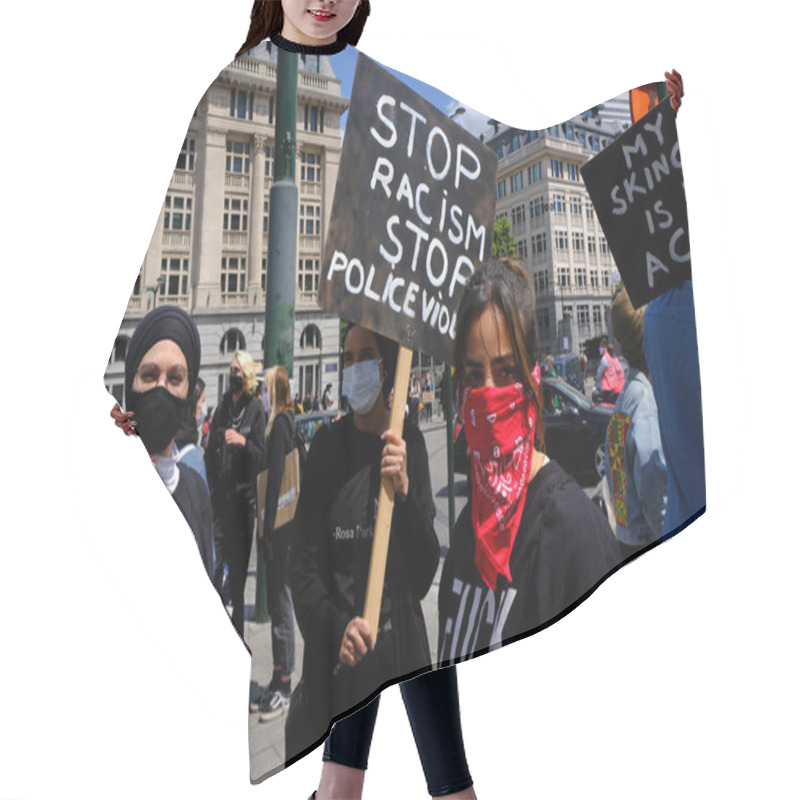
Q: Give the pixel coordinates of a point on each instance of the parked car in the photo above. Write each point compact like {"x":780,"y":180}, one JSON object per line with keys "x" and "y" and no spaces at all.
{"x":574,"y":433}
{"x":309,"y":424}
{"x":569,"y":369}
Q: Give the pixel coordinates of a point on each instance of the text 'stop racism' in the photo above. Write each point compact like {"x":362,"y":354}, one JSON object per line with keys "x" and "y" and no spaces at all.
{"x":412,"y":215}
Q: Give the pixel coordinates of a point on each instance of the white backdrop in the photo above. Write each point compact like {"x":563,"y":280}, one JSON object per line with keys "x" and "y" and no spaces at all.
{"x":120,"y":676}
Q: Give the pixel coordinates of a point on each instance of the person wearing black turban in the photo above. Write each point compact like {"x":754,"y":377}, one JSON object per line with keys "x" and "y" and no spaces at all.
{"x":161,"y":369}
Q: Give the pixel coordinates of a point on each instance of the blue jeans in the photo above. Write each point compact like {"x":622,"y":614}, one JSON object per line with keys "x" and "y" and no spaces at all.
{"x":433,"y":711}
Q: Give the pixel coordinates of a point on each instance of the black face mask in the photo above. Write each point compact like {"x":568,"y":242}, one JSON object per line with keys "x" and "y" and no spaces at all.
{"x":157,"y":413}
{"x":236,"y":382}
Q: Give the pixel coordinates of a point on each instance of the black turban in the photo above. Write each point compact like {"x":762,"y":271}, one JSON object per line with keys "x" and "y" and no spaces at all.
{"x":164,"y":322}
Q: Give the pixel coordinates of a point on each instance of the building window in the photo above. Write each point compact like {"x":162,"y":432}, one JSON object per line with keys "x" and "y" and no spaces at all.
{"x":538,"y":207}
{"x":238,"y":158}
{"x":563,"y":276}
{"x":232,"y":341}
{"x":515,"y":143}
{"x":186,"y":157}
{"x":176,"y":274}
{"x":597,"y":317}
{"x":577,"y":241}
{"x":516,"y":182}
{"x":556,"y":168}
{"x":311,"y":338}
{"x":582,"y":139}
{"x":575,"y":206}
{"x":177,"y":213}
{"x":235,"y":216}
{"x":561,"y":240}
{"x":263,"y":275}
{"x":595,"y":143}
{"x":522,"y":249}
{"x":271,"y":109}
{"x":570,"y":133}
{"x":603,"y":246}
{"x":584,"y":325}
{"x":119,"y":350}
{"x":311,"y":167}
{"x":580,"y":278}
{"x":501,"y":189}
{"x":535,"y":172}
{"x":241,"y":104}
{"x":308,"y":276}
{"x":315,"y":119}
{"x":310,"y":219}
{"x":265,"y":227}
{"x":541,"y":281}
{"x":591,"y":245}
{"x":573,"y":173}
{"x":234,"y":275}
{"x":559,"y":204}
{"x":543,"y":315}
{"x":553,"y":130}
{"x":594,"y":281}
{"x":517,"y":216}
{"x":539,"y":243}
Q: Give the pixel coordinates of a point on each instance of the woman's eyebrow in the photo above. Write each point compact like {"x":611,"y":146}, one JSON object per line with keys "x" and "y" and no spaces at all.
{"x":499,"y":361}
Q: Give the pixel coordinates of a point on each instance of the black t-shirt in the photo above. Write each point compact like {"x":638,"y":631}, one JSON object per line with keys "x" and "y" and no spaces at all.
{"x":564,"y":548}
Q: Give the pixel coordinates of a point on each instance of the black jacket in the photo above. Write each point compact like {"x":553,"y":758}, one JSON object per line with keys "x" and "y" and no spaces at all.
{"x":329,"y":564}
{"x":232,"y":470}
{"x":564,"y":548}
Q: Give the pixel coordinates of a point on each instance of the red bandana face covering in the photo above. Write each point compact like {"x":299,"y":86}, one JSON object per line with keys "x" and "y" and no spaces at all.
{"x":499,"y":425}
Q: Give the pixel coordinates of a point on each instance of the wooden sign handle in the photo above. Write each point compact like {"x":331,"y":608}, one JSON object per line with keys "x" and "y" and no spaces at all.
{"x":383,"y":521}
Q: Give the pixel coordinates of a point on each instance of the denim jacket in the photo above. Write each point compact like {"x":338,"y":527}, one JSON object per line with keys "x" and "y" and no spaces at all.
{"x":635,"y":467}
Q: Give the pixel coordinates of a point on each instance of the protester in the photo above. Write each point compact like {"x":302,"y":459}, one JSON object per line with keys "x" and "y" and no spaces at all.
{"x":529,"y":545}
{"x":235,"y":455}
{"x":275,"y":543}
{"x":206,"y":428}
{"x":161,"y":366}
{"x":327,"y":399}
{"x":329,"y":568}
{"x":670,"y":345}
{"x":635,"y":468}
{"x":610,"y":375}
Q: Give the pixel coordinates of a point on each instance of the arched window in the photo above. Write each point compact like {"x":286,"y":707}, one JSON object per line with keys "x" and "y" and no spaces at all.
{"x":119,"y":350}
{"x":232,"y":341}
{"x":311,"y":338}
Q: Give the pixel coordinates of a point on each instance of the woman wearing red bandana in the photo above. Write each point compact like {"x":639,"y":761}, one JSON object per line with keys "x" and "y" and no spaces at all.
{"x":529,"y":545}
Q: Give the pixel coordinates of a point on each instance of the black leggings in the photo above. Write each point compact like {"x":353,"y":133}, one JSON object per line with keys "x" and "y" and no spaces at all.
{"x":432,"y":706}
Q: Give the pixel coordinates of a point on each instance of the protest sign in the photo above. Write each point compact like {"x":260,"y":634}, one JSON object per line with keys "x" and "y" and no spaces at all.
{"x":412,"y":215}
{"x":636,"y":186}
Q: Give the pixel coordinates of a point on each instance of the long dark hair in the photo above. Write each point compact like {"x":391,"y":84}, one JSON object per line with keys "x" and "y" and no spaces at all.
{"x":504,"y":284}
{"x":266,"y":19}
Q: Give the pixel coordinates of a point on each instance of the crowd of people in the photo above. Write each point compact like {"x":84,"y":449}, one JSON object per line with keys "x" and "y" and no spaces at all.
{"x":528,"y":546}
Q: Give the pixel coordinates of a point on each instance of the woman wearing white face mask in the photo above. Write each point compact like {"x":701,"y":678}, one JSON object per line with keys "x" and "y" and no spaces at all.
{"x":342,"y":663}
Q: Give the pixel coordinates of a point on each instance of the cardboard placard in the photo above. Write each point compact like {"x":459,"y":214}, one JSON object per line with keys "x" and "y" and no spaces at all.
{"x":412,"y":215}
{"x":636,"y":186}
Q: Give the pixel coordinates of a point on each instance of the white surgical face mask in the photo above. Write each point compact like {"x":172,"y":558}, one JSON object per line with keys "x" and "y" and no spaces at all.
{"x":361,"y":385}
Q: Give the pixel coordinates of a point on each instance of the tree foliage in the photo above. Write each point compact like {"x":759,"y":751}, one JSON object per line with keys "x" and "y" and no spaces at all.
{"x":503,"y":243}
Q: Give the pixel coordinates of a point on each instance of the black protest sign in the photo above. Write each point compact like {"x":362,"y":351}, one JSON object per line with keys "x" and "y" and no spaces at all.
{"x":636,"y":186}
{"x":412,"y":215}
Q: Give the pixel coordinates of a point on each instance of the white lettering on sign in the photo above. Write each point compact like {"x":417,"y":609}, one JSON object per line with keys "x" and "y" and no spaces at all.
{"x":643,"y":178}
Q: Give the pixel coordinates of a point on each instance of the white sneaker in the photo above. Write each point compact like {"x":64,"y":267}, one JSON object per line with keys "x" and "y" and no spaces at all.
{"x":276,"y":704}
